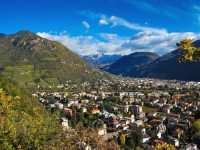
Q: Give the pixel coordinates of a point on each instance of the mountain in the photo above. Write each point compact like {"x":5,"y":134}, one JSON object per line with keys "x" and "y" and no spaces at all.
{"x":33,"y":60}
{"x":152,"y":66}
{"x":100,"y":59}
{"x":167,"y":67}
{"x":127,"y":65}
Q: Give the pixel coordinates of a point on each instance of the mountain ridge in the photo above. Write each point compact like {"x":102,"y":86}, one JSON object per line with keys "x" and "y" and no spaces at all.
{"x":31,"y":59}
{"x":164,"y":67}
{"x":126,"y":65}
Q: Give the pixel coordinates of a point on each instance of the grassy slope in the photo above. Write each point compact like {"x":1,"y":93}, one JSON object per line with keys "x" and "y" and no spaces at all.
{"x":33,"y":60}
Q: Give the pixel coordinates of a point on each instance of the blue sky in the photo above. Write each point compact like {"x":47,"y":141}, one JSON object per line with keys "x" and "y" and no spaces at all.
{"x":105,"y":26}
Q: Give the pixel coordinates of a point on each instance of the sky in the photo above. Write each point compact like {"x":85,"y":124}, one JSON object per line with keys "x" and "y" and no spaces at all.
{"x":105,"y":26}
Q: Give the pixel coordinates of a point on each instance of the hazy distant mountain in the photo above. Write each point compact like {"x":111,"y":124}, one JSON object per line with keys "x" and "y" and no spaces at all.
{"x":127,"y":65}
{"x":31,"y":59}
{"x":100,"y":59}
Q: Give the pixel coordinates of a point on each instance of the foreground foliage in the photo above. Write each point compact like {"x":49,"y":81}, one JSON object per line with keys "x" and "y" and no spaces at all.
{"x":18,"y":129}
{"x":164,"y":146}
{"x":24,"y":124}
{"x":188,"y":51}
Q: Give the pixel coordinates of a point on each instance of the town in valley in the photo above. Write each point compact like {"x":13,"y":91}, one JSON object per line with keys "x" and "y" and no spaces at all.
{"x":142,"y":111}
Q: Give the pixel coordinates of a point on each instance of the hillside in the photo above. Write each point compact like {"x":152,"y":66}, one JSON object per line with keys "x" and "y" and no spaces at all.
{"x":167,"y":67}
{"x":22,"y":118}
{"x":164,"y":67}
{"x":127,"y":65}
{"x":33,"y":60}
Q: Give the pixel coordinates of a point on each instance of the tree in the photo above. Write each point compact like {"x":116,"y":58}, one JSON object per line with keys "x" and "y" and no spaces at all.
{"x":122,"y":139}
{"x":183,"y":138}
{"x":137,"y":136}
{"x":130,"y":142}
{"x":196,"y":125}
{"x":164,"y":146}
{"x":80,"y":117}
{"x":197,"y":114}
{"x":19,"y":129}
{"x":188,"y":51}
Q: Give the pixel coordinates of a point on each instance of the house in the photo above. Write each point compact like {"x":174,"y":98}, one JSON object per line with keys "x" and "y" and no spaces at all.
{"x":64,"y":123}
{"x":52,"y":107}
{"x":187,"y":113}
{"x":154,"y":101}
{"x":105,"y":114}
{"x":125,"y":127}
{"x":166,"y":110}
{"x":177,"y":133}
{"x":155,"y":122}
{"x":145,"y":138}
{"x":68,"y":111}
{"x":59,"y":105}
{"x":137,"y":109}
{"x":161,"y":128}
{"x":137,"y":123}
{"x":162,"y":118}
{"x":174,"y":141}
{"x":140,"y":115}
{"x":125,"y":122}
{"x":124,"y":102}
{"x":152,"y":115}
{"x":172,"y":120}
{"x":190,"y":146}
{"x":85,"y":101}
{"x":120,"y":116}
{"x":95,"y":111}
{"x":132,"y":118}
{"x":41,"y":100}
{"x":159,"y":134}
{"x":102,"y":131}
{"x":108,"y":136}
{"x":124,"y":108}
{"x":72,"y":102}
{"x":158,"y":141}
{"x":116,"y":124}
{"x":143,"y":131}
{"x":84,"y":109}
{"x":157,"y":105}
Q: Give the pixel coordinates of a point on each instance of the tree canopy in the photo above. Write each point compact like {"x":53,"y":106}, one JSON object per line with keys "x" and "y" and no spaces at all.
{"x":188,"y":52}
{"x":196,"y":125}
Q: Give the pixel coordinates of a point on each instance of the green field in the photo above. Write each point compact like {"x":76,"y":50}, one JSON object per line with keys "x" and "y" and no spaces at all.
{"x":20,"y":68}
{"x":52,"y":81}
{"x":149,"y":109}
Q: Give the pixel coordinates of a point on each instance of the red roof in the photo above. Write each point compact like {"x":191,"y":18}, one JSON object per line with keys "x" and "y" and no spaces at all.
{"x":158,"y":141}
{"x":95,"y":111}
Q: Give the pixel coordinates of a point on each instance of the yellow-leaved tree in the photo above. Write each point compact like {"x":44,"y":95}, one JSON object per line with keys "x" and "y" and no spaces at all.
{"x":20,"y":130}
{"x":164,"y":146}
{"x":188,"y":52}
{"x":196,"y":125}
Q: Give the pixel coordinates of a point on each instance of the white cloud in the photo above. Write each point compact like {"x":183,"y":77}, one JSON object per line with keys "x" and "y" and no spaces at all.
{"x":85,"y":24}
{"x":116,"y":21}
{"x":158,"y":43}
{"x":103,"y":22}
{"x":142,"y":41}
{"x":108,"y":36}
{"x":86,"y":45}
